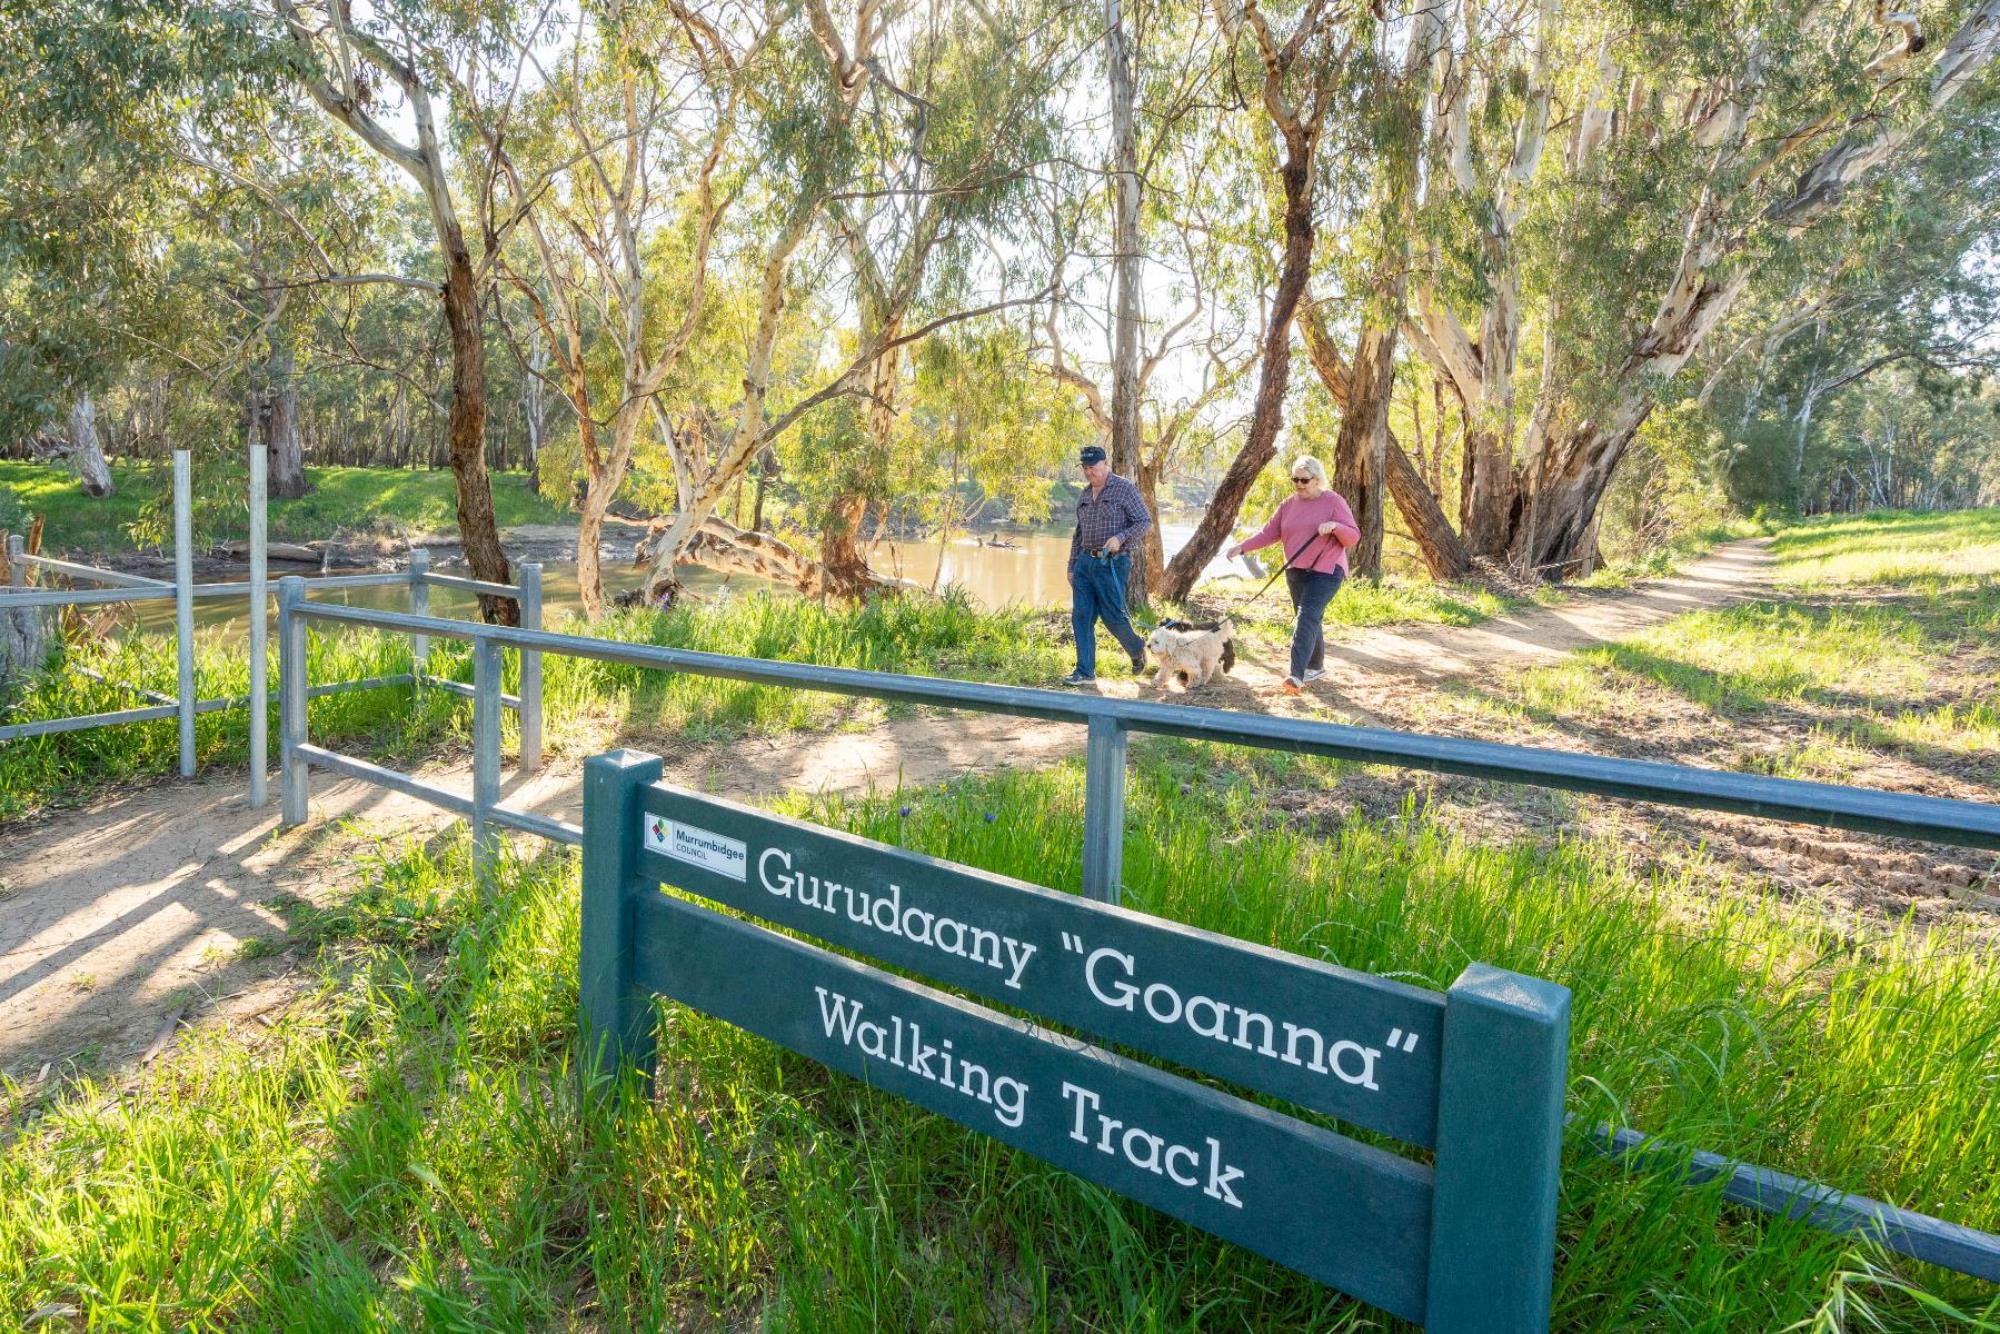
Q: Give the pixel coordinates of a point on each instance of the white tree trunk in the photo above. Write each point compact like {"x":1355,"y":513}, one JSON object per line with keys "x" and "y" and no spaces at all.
{"x":1125,"y":443}
{"x":281,"y":430}
{"x":87,"y":451}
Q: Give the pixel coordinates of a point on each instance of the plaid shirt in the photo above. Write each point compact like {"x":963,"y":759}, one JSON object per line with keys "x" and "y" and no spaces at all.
{"x":1117,"y":511}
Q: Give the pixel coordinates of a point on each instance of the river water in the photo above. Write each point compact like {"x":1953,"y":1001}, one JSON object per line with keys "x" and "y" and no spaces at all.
{"x":1028,"y":572}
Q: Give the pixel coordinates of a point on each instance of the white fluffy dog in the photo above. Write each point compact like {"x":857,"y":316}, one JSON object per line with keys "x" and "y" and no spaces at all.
{"x":1192,"y":655}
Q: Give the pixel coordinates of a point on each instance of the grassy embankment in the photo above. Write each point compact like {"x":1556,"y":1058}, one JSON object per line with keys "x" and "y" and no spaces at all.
{"x":341,"y":499}
{"x":407,"y":1145}
{"x":1881,"y":640}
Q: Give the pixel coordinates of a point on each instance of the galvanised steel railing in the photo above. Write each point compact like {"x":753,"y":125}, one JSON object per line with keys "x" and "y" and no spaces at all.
{"x":1108,"y":723}
{"x":186,"y":704}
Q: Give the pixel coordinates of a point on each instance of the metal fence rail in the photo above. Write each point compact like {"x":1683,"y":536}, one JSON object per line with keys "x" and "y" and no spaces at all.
{"x":1108,"y":724}
{"x":186,"y":704}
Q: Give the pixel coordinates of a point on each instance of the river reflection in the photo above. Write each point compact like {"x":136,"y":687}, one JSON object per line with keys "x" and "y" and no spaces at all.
{"x":1028,"y":571}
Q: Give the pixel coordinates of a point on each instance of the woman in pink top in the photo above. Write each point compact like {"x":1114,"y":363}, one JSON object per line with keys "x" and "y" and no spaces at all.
{"x":1316,"y":527}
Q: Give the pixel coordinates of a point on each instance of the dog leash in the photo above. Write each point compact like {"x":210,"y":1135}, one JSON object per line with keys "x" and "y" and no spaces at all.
{"x":1291,"y":561}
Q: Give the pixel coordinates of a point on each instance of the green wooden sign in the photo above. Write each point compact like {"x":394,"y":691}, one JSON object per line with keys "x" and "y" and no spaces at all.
{"x":1465,"y":1243}
{"x":1221,"y":1163}
{"x":1352,"y":1045}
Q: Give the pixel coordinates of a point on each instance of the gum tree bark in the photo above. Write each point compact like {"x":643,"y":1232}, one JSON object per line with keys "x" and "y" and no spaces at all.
{"x":87,"y":451}
{"x":1298,"y":125}
{"x":1541,"y":511}
{"x":333,"y":53}
{"x":1444,"y":555}
{"x":281,"y":428}
{"x":1126,"y":456}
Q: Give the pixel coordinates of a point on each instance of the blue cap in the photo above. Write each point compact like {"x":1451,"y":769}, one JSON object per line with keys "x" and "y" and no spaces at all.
{"x":1092,"y":454}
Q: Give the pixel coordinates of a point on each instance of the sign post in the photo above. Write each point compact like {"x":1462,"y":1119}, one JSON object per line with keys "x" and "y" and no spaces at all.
{"x":616,"y":1021}
{"x":1476,"y":1075}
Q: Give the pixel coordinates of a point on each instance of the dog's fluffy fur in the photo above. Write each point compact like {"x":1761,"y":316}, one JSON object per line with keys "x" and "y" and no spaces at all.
{"x":1191,"y":654}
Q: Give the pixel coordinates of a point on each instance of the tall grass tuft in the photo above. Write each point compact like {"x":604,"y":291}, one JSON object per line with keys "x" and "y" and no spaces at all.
{"x":946,"y":636}
{"x":106,"y":675}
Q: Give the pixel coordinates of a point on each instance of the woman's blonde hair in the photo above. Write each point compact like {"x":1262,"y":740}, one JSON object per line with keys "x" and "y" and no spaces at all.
{"x":1308,"y":464}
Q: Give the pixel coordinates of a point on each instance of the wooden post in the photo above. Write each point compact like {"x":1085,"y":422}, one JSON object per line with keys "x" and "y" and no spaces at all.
{"x":1104,"y":809}
{"x":529,"y":715}
{"x":485,"y":755}
{"x":617,"y":1017}
{"x":1499,"y":1154}
{"x":184,"y":604}
{"x":259,"y":625}
{"x":292,"y":769}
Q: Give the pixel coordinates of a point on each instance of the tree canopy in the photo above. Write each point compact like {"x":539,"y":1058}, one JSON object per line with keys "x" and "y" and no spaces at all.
{"x":1529,"y":276}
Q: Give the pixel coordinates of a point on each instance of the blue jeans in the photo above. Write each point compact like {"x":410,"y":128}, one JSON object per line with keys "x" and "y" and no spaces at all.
{"x":1311,"y":591}
{"x":1097,"y":592}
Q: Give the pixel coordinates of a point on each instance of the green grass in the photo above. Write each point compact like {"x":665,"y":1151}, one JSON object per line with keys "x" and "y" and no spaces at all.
{"x":945,"y":636}
{"x":1883,"y":641}
{"x":582,"y":699}
{"x":39,"y":771}
{"x":407,"y":1148}
{"x":1907,"y":551}
{"x":342,"y":498}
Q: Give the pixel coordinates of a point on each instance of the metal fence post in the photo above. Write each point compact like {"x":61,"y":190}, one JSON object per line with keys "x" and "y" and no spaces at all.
{"x":617,"y":1019}
{"x":485,"y":754}
{"x":420,"y":605}
{"x":1104,"y":809}
{"x":184,"y":604}
{"x":529,"y":714}
{"x":1504,"y":1070}
{"x":260,"y":704}
{"x":292,"y":770}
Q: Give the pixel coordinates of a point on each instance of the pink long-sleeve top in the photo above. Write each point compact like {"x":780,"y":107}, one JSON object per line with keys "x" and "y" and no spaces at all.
{"x":1296,"y":525}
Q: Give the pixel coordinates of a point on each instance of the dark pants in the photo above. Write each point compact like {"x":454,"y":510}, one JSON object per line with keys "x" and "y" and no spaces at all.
{"x":1097,"y":592}
{"x":1311,"y":591}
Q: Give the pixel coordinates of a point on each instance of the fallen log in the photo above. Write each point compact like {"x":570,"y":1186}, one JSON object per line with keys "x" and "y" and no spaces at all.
{"x":290,"y":552}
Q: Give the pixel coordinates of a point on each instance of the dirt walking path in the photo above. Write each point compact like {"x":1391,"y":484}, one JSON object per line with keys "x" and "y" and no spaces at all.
{"x":123,"y":920}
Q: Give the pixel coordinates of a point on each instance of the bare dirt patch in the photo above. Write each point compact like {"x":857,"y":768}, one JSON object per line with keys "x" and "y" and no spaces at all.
{"x":159,"y":902}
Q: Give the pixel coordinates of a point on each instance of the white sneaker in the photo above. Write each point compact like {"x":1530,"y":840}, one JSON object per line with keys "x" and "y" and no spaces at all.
{"x":1314,"y":673}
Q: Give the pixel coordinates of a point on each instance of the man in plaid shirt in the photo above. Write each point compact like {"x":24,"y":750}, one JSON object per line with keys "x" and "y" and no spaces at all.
{"x":1110,"y":517}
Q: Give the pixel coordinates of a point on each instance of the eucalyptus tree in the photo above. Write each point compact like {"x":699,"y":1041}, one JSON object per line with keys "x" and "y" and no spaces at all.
{"x":1388,"y":139}
{"x":1582,"y":275}
{"x":1126,"y":454}
{"x":1297,"y":71}
{"x":279,"y":219}
{"x":1914,"y":437}
{"x":984,"y":429}
{"x":1902,"y":280}
{"x":435,"y":59}
{"x":958,"y":113}
{"x":1179,"y":241}
{"x":897,"y":135}
{"x":91,"y":102}
{"x":622,"y":238}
